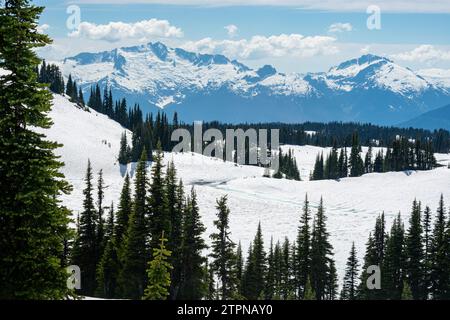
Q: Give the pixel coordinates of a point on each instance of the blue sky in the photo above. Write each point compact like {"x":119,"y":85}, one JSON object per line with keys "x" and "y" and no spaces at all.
{"x":413,"y":33}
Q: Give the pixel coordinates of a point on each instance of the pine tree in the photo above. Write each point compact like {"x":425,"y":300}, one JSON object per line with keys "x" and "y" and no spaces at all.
{"x":100,"y":230}
{"x":175,"y":214}
{"x":157,"y":208}
{"x":309,"y":291}
{"x":303,"y":258}
{"x":254,"y":276}
{"x":269,"y":290}
{"x":158,"y":273}
{"x":393,"y":275}
{"x":351,"y":275}
{"x":124,"y":154}
{"x":123,"y":214}
{"x":179,"y":209}
{"x":356,"y":162}
{"x":132,"y":277}
{"x":86,"y":246}
{"x":33,"y":222}
{"x":439,"y":273}
{"x":427,"y":252}
{"x":108,"y":267}
{"x":406,"y":293}
{"x":321,"y":254}
{"x":192,"y":286}
{"x":211,"y":291}
{"x":223,"y":255}
{"x":415,"y":255}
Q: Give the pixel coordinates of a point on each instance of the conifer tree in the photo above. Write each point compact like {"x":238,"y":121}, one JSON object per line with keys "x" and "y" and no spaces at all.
{"x":192,"y":286}
{"x":179,"y":208}
{"x":223,"y":255}
{"x":254,"y":277}
{"x":86,"y":246}
{"x":123,"y":214}
{"x":239,"y":268}
{"x":33,"y":222}
{"x":108,"y":267}
{"x":356,"y":162}
{"x":158,"y":273}
{"x":414,"y":252}
{"x":132,"y":277}
{"x":124,"y":152}
{"x":303,"y":258}
{"x":321,"y":254}
{"x":309,"y":291}
{"x":351,"y":276}
{"x":439,"y":273}
{"x":159,"y":218}
{"x":99,"y":221}
{"x":393,"y":274}
{"x":427,"y":251}
{"x":270,"y":275}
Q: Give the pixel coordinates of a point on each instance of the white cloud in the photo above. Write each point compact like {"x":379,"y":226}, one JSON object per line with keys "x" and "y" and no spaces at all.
{"x":340,"y":27}
{"x":424,"y":53}
{"x":365,"y":50}
{"x":117,"y":31}
{"x":232,"y":30}
{"x":435,"y":6}
{"x":258,"y":47}
{"x":42,"y":28}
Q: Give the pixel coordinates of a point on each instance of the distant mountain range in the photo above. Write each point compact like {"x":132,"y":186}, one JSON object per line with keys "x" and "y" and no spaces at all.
{"x":212,"y":87}
{"x":431,"y":120}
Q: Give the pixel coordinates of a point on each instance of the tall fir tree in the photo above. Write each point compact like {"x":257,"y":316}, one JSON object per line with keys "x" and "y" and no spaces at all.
{"x":86,"y":246}
{"x":349,"y":287}
{"x":415,"y":269}
{"x":192,"y":285}
{"x":254,"y":276}
{"x":439,"y":274}
{"x":33,"y":222}
{"x":303,"y":254}
{"x":223,"y":255}
{"x":392,"y":270}
{"x":321,"y":254}
{"x":108,"y":267}
{"x":135,"y":255}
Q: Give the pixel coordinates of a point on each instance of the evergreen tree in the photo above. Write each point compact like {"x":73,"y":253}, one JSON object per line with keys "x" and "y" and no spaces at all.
{"x":303,"y":258}
{"x":309,"y":291}
{"x":158,"y":273}
{"x":86,"y":246}
{"x":439,"y":273}
{"x":223,"y":255}
{"x":123,"y":214}
{"x":33,"y":222}
{"x":321,"y":254}
{"x":393,"y":274}
{"x":132,"y":277}
{"x":269,"y":290}
{"x":427,"y":251}
{"x":100,"y":229}
{"x":108,"y":267}
{"x":157,"y":207}
{"x":192,"y":274}
{"x":414,"y":253}
{"x":254,"y":277}
{"x":124,"y":152}
{"x":351,"y":275}
{"x":356,"y":162}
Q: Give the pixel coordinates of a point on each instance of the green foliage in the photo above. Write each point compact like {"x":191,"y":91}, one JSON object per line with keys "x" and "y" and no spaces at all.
{"x":158,"y":273}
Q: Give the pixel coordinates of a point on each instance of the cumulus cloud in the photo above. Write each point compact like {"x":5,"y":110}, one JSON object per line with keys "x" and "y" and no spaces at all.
{"x":42,"y":28}
{"x":232,"y":30}
{"x":340,"y":27}
{"x":424,"y":53}
{"x":257,"y":47}
{"x":116,"y":31}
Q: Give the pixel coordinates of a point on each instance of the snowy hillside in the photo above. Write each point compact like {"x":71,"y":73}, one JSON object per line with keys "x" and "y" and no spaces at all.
{"x":213,"y":87}
{"x":352,"y":204}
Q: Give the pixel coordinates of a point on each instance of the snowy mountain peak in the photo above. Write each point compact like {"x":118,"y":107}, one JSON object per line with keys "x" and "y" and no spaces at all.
{"x":214,"y":87}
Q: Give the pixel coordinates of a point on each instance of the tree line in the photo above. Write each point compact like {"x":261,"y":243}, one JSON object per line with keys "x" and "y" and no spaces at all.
{"x":403,"y":154}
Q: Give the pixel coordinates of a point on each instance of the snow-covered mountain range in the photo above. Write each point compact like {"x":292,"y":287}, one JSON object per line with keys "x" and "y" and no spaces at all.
{"x":212,"y":87}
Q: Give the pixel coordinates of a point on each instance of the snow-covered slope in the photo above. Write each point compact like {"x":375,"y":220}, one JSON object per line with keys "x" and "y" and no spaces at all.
{"x":351,"y":204}
{"x":213,"y":87}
